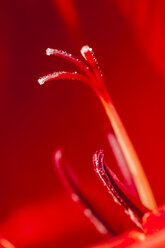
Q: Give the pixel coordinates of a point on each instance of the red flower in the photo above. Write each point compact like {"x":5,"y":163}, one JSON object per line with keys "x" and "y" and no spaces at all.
{"x":148,"y":222}
{"x":36,"y":211}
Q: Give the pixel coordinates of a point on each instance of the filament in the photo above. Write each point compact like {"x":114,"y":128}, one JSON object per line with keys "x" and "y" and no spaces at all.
{"x":63,"y":75}
{"x":118,"y":195}
{"x":88,"y":55}
{"x":71,"y":183}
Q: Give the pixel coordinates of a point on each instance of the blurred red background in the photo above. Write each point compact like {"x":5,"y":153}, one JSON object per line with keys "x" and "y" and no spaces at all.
{"x":128,"y":40}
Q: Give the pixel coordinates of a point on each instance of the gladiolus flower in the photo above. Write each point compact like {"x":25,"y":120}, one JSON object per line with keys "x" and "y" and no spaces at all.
{"x":138,"y":187}
{"x":109,"y":204}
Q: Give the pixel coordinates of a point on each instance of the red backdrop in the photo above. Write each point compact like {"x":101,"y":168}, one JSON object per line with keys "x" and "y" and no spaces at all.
{"x":128,"y":40}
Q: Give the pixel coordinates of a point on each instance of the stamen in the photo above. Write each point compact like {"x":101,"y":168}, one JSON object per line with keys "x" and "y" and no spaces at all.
{"x":95,"y":81}
{"x":118,"y":195}
{"x":135,"y":167}
{"x":71,"y":184}
{"x":63,"y":75}
{"x":89,"y":56}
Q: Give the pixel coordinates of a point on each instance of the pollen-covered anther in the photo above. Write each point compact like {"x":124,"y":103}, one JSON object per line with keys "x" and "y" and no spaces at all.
{"x":89,"y":56}
{"x":49,"y":51}
{"x":42,"y":80}
{"x":84,"y":50}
